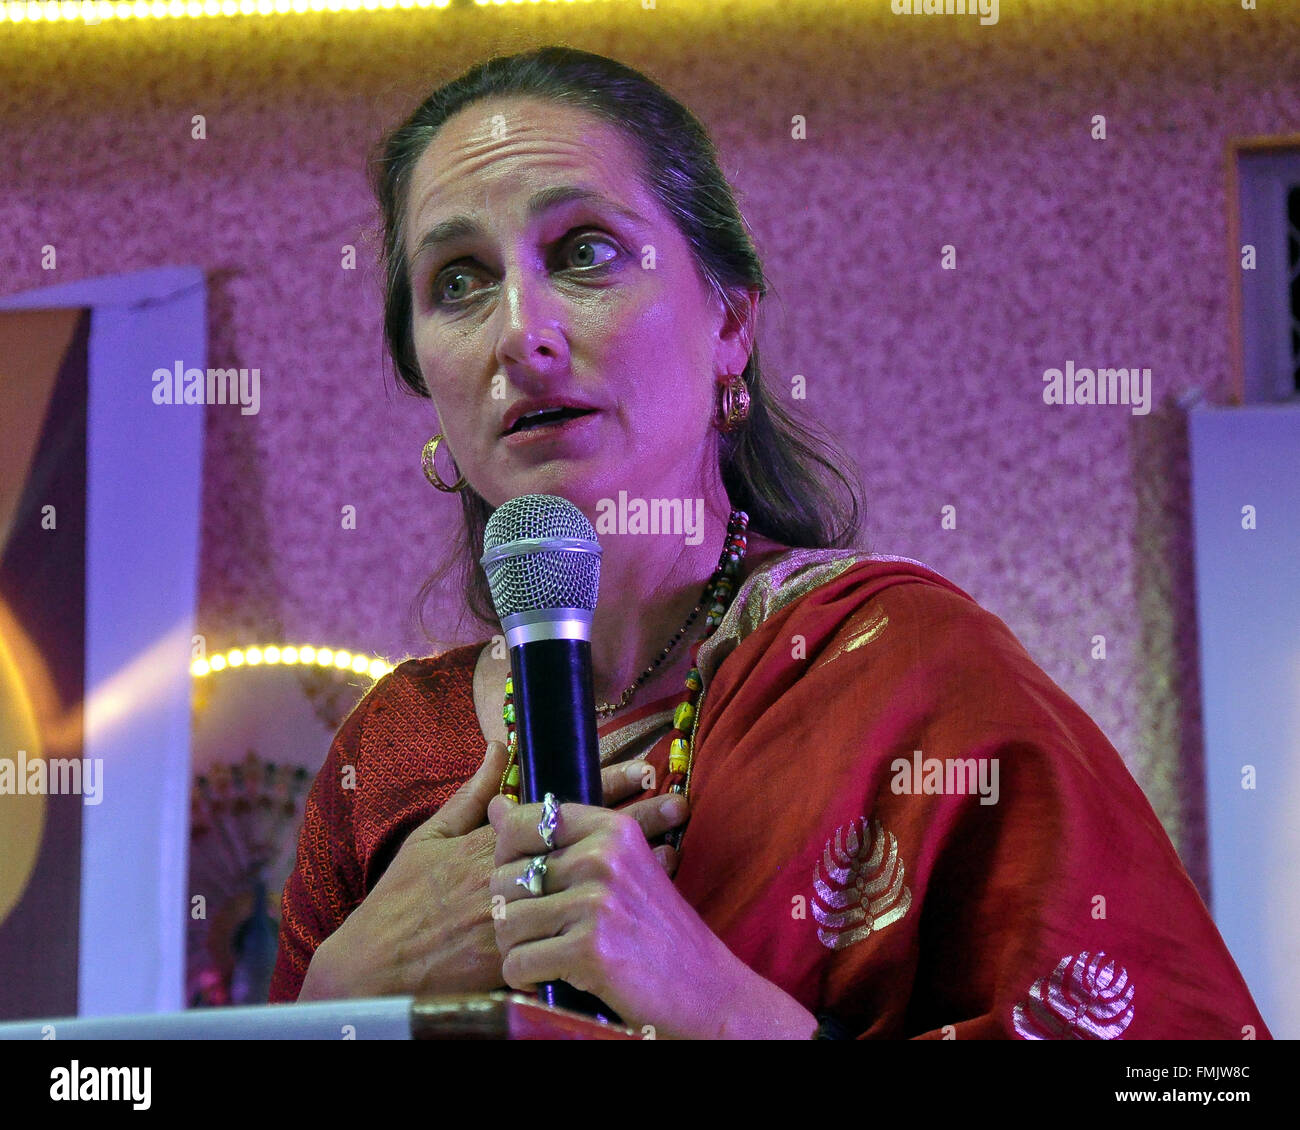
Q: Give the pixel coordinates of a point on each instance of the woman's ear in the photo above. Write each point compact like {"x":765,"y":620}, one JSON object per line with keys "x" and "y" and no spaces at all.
{"x":739,"y":307}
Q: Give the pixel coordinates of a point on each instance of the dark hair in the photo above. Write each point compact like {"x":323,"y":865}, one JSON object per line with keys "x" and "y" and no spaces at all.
{"x":790,"y":478}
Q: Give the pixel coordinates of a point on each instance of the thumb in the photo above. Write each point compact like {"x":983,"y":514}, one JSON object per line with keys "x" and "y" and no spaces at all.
{"x":467,"y":808}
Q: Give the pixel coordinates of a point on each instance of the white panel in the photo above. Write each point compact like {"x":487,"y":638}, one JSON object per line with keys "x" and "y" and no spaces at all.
{"x":1248,"y":612}
{"x":144,"y":489}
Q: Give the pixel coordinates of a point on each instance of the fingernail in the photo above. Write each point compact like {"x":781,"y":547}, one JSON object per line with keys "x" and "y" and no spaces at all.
{"x":636,"y":770}
{"x":674,"y":807}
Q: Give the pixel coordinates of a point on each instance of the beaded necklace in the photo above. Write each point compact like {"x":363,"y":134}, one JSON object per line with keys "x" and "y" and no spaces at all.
{"x":717,"y":598}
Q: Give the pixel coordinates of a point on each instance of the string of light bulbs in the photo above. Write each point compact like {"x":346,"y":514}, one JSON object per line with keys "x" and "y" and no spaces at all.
{"x":291,"y":655}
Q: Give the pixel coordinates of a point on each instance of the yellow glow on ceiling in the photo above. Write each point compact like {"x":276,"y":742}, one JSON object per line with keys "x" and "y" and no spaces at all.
{"x":105,"y":11}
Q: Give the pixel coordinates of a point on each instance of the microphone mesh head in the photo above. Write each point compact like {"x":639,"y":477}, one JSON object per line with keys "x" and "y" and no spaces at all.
{"x":535,"y":579}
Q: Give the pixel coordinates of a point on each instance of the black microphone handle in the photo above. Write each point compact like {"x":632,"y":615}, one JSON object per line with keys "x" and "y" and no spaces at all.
{"x":559,"y":752}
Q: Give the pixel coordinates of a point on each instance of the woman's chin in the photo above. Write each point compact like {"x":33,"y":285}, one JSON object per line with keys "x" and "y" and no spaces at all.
{"x":566,"y":482}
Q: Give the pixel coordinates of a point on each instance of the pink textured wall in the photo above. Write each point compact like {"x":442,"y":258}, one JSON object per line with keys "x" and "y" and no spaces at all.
{"x":921,"y":131}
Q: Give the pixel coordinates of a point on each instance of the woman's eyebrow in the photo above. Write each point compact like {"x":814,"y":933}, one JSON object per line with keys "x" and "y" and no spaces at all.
{"x":545,"y":200}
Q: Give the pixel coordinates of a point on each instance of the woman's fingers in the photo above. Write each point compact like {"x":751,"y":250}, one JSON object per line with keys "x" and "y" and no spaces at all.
{"x":622,"y":781}
{"x":667,"y":856}
{"x":516,"y":825}
{"x":553,"y":875}
{"x":467,"y":808}
{"x":557,"y":871}
{"x":658,"y":814}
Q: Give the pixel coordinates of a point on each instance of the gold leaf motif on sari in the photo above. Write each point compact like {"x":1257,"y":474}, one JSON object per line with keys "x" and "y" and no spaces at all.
{"x":863,"y":889}
{"x":1086,"y":997}
{"x":860,"y":633}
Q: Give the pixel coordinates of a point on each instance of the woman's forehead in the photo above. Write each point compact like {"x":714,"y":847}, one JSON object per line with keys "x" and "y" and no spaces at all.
{"x":489,"y":135}
{"x":539,"y":153}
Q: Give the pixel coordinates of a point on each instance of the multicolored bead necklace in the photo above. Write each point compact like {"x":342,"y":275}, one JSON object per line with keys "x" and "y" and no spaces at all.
{"x":717,"y":598}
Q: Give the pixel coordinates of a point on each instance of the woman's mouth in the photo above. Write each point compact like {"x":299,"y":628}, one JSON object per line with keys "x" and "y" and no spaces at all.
{"x":550,"y":424}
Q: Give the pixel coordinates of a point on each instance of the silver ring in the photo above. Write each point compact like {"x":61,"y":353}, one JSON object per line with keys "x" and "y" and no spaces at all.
{"x":550,"y":820}
{"x":534,"y":873}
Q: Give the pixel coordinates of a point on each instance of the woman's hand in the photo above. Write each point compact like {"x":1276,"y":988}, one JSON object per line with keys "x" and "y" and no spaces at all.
{"x":426,"y":927}
{"x":610,"y":922}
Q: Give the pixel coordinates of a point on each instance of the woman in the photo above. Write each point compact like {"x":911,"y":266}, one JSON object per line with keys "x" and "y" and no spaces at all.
{"x":895,"y":824}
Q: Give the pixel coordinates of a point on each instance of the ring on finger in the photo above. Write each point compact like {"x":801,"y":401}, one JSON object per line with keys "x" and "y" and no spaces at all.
{"x":550,"y":821}
{"x":534,"y":874}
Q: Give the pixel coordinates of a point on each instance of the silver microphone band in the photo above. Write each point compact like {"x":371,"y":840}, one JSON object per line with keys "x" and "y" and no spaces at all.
{"x":547,"y":624}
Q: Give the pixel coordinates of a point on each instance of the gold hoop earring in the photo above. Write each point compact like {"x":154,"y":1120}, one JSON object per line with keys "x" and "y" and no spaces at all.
{"x":431,"y":472}
{"x":733,"y":408}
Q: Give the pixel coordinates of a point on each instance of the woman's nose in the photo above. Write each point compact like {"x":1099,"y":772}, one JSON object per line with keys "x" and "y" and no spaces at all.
{"x":531,"y":326}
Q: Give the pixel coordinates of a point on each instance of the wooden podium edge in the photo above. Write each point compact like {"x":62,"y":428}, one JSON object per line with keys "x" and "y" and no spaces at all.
{"x":504,"y":1016}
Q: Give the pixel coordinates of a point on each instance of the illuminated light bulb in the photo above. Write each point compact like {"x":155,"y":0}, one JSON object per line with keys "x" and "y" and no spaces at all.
{"x":307,"y":654}
{"x":342,"y":659}
{"x":289,"y":655}
{"x":218,"y":662}
{"x":271,"y":654}
{"x":378,"y":668}
{"x":325,"y":657}
{"x":235,"y":658}
{"x":199,"y":667}
{"x":253,"y":655}
{"x":360,"y":663}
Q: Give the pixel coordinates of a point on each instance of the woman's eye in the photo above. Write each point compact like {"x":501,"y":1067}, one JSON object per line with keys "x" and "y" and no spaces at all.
{"x":440,"y":294}
{"x":451,"y":275}
{"x":588,"y":241}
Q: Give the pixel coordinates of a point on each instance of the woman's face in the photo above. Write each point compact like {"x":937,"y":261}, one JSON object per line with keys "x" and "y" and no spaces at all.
{"x":592,"y":302}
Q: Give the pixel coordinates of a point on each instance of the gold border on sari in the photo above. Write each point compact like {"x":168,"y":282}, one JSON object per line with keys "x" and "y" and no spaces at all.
{"x":774,"y":585}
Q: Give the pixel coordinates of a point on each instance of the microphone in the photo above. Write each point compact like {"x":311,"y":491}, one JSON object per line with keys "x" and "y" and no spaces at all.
{"x":542,"y":562}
